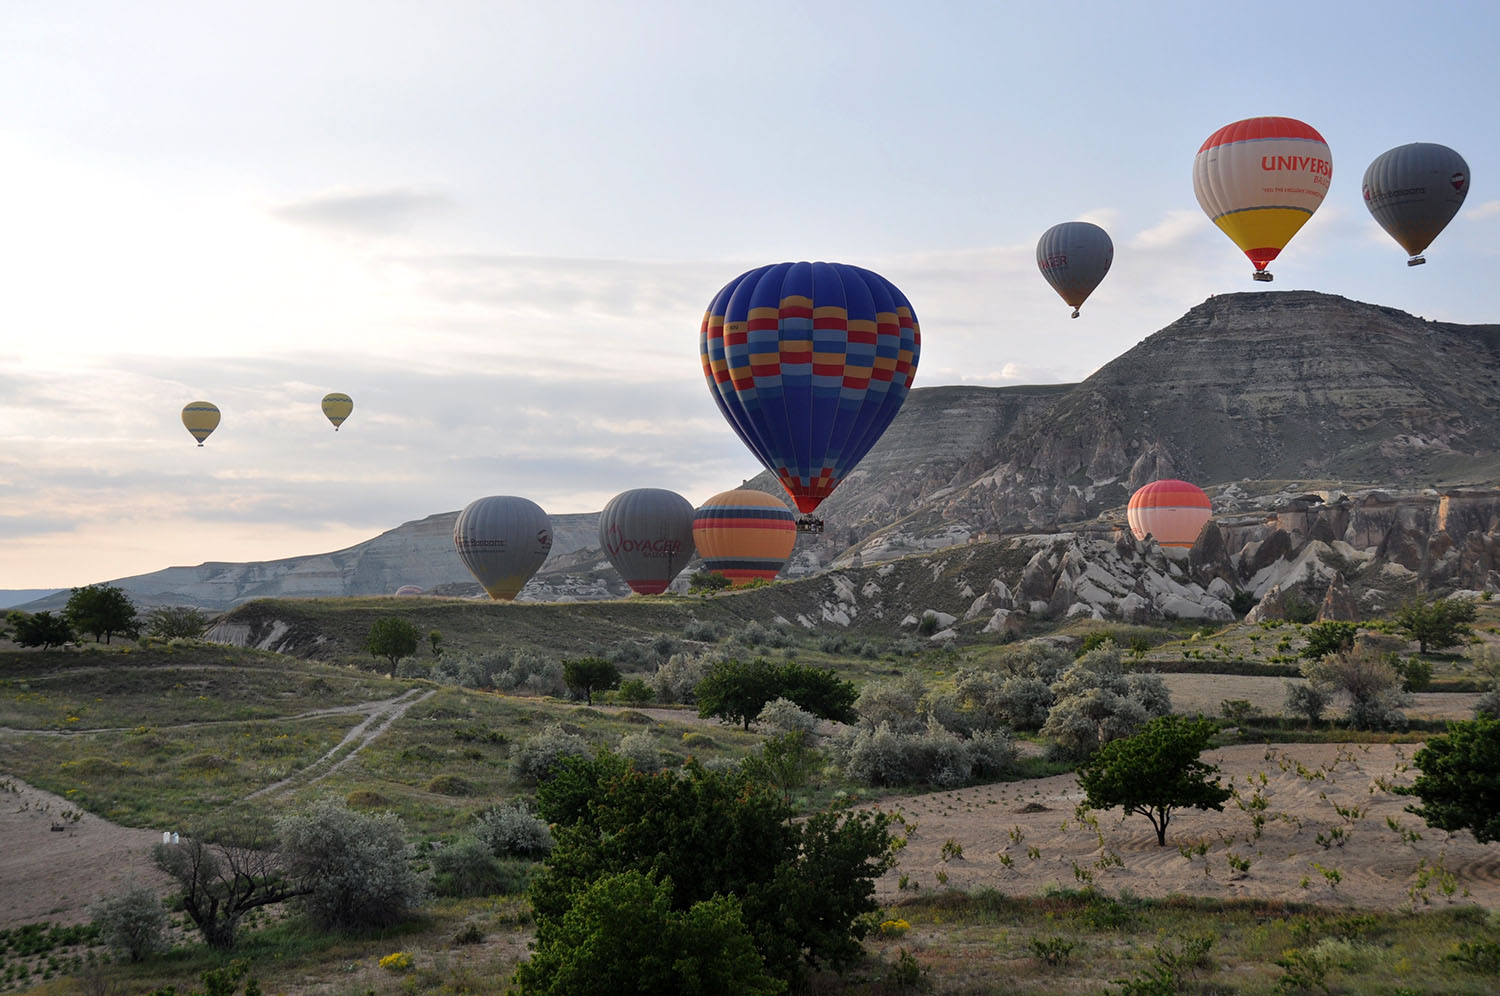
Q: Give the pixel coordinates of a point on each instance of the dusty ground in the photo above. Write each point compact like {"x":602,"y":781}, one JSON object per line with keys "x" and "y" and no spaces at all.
{"x":1203,"y":693}
{"x":55,"y":875}
{"x":1376,"y":867}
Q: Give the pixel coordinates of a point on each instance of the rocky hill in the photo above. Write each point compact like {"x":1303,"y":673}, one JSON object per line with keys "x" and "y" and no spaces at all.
{"x":1254,"y":389}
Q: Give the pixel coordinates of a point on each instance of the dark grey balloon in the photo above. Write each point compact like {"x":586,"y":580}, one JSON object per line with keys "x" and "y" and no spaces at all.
{"x":502,"y":540}
{"x":1074,"y":257}
{"x":1413,"y":191}
{"x":648,"y":535}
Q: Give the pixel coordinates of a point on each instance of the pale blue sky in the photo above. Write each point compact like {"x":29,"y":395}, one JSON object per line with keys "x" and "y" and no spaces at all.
{"x":497,"y":225}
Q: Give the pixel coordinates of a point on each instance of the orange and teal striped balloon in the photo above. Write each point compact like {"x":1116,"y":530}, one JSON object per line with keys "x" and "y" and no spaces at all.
{"x":200,"y":418}
{"x":809,"y":363}
{"x":1172,"y":511}
{"x":744,"y":535}
{"x":1260,"y":180}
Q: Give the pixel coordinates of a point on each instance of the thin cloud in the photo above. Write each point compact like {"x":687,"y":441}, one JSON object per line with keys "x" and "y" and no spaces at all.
{"x":374,"y":213}
{"x":1173,"y":230}
{"x":1485,"y":211}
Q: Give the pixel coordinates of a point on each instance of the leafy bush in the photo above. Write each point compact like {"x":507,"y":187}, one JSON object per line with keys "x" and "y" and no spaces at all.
{"x":634,"y":691}
{"x":468,"y":867}
{"x":528,"y":674}
{"x":886,"y":756}
{"x":621,"y":935}
{"x":1416,"y":674}
{"x":355,"y":865}
{"x":806,"y":886}
{"x":708,"y":581}
{"x":41,"y":629}
{"x":176,"y":622}
{"x":588,"y":675}
{"x":1460,"y":781}
{"x":755,"y":635}
{"x":131,"y":922}
{"x":450,"y":784}
{"x":737,"y":692}
{"x":785,"y":716}
{"x":895,"y":702}
{"x":1369,"y":681}
{"x":1329,"y":637}
{"x":641,"y":751}
{"x":1307,"y":698}
{"x":702,"y":630}
{"x":510,"y":830}
{"x":1095,"y":703}
{"x":675,"y":680}
{"x":538,"y":757}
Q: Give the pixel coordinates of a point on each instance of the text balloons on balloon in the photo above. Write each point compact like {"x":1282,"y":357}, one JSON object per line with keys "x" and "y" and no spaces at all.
{"x":1260,"y":180}
{"x":502,"y":540}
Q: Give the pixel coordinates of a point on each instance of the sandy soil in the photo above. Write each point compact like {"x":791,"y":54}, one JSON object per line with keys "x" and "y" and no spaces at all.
{"x":1203,"y":693}
{"x":1377,"y":868}
{"x":48,"y":874}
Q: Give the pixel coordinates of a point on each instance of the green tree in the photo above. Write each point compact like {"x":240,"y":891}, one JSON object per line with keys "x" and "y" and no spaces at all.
{"x":131,"y":922}
{"x":101,"y":609}
{"x":42,"y":629}
{"x":1460,"y":781}
{"x":1437,"y":623}
{"x":805,"y":886}
{"x":1329,"y":637}
{"x":176,"y":622}
{"x":224,"y":875}
{"x":588,"y":675}
{"x":785,"y":762}
{"x":1154,"y":772}
{"x":621,"y":936}
{"x":708,"y":581}
{"x":393,"y":638}
{"x":736,"y":691}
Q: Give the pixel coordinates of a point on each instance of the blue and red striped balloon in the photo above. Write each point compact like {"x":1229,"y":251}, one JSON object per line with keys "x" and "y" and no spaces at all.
{"x":809,"y":363}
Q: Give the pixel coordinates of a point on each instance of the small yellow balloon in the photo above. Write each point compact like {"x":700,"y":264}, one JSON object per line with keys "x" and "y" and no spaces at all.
{"x":337,"y":407}
{"x":201,"y":418}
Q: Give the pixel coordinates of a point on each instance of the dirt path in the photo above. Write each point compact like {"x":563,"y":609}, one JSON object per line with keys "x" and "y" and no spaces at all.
{"x":376,"y":722}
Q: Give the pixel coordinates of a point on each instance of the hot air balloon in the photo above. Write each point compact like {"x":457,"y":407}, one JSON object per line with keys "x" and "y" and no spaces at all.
{"x":1414,"y":191}
{"x":502,"y":540}
{"x":1260,"y":180}
{"x":744,"y":535}
{"x":337,"y":407}
{"x":1074,"y":257}
{"x":1172,"y":511}
{"x":201,"y":418}
{"x":408,"y":590}
{"x":809,"y":362}
{"x":648,"y":535}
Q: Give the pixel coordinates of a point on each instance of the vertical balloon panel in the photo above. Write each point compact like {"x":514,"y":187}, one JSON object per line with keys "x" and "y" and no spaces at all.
{"x":503,"y":541}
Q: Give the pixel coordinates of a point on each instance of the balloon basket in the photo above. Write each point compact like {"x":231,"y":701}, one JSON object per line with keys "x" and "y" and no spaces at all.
{"x":1264,"y":276}
{"x":807,"y":524}
{"x":1416,"y":261}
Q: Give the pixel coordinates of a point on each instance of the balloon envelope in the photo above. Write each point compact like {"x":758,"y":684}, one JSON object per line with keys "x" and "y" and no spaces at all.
{"x":409,"y":589}
{"x":648,"y":536}
{"x":744,"y":535}
{"x":337,"y":407}
{"x":1172,"y":511}
{"x":809,"y":362}
{"x":1074,"y":257}
{"x":1260,"y":180}
{"x":502,"y":540}
{"x":1414,"y":191}
{"x":200,"y":418}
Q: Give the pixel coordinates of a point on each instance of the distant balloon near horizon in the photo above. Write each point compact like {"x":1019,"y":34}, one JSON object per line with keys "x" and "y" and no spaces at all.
{"x":337,"y":407}
{"x":1172,"y":511}
{"x":503,"y":540}
{"x":1074,"y":257}
{"x":1260,"y":180}
{"x":744,"y":535}
{"x":200,"y":418}
{"x":647,"y":533}
{"x":1413,"y":191}
{"x":809,"y":363}
{"x":407,"y":590}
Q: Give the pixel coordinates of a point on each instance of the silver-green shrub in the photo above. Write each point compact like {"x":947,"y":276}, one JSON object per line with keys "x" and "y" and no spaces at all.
{"x":355,"y":865}
{"x":1096,"y":702}
{"x":785,"y":716}
{"x":934,"y":756}
{"x":538,"y":756}
{"x":896,"y":702}
{"x":675,"y":680}
{"x":510,"y":830}
{"x":132,"y":922}
{"x":641,"y":751}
